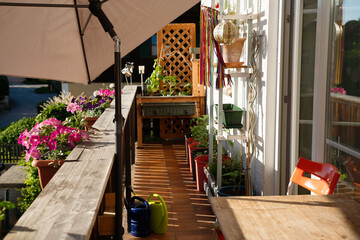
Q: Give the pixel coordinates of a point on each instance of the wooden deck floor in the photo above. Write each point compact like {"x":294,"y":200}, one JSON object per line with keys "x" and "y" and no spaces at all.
{"x":163,"y":169}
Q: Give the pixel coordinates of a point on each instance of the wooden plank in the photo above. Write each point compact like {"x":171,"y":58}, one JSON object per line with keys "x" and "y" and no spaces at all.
{"x":13,"y":178}
{"x":288,"y":217}
{"x":106,"y":225}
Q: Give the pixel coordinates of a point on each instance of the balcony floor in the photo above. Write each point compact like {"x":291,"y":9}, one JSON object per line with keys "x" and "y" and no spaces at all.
{"x":163,"y":169}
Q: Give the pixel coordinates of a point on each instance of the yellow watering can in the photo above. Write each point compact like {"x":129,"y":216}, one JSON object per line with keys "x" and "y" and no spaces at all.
{"x":159,"y":214}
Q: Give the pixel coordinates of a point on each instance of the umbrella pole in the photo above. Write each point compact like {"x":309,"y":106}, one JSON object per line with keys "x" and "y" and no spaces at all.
{"x":119,"y":231}
{"x":95,"y":8}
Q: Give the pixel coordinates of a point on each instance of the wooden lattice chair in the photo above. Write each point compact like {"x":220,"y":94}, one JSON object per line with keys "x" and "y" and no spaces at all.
{"x":174,"y":42}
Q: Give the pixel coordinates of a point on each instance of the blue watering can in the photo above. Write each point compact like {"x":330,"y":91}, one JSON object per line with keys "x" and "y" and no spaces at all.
{"x":139,"y":214}
{"x":159,"y":214}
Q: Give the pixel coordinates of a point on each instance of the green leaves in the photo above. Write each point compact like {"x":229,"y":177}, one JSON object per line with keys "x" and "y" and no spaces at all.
{"x":56,"y":110}
{"x":153,"y":83}
{"x":32,"y":188}
{"x":199,"y":131}
{"x":3,"y":206}
{"x":11,"y":133}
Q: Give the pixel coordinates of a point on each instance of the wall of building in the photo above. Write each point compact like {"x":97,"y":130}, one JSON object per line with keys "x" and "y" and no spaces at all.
{"x":265,"y":165}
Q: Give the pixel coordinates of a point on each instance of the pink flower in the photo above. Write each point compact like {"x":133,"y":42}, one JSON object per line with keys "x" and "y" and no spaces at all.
{"x":75,"y":137}
{"x":64,"y":130}
{"x":34,"y":131}
{"x":52,"y":122}
{"x":73,"y":107}
{"x":54,"y":134}
{"x":23,"y":140}
{"x":27,"y":155}
{"x":35,"y":153}
{"x":51,"y":144}
{"x":104,"y":92}
{"x":44,"y":139}
{"x":35,"y":140}
{"x":22,"y":137}
{"x":338,"y":90}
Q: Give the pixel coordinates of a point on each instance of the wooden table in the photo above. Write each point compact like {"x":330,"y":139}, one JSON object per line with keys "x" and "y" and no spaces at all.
{"x":288,"y":217}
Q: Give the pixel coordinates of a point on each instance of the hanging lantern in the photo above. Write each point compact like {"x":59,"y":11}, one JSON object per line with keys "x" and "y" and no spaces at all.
{"x":226,"y":32}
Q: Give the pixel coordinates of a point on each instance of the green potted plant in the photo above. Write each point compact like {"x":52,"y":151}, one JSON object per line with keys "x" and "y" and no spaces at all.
{"x":233,"y":181}
{"x":153,"y":83}
{"x":200,"y":139}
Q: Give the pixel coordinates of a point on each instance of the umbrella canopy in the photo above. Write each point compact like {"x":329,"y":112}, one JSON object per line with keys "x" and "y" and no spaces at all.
{"x":67,"y":43}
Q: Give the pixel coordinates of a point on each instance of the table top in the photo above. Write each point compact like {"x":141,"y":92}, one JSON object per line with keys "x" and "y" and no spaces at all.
{"x":288,"y":217}
{"x":14,"y":177}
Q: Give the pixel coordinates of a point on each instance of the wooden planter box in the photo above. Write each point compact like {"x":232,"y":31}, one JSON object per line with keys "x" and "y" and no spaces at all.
{"x":173,"y":122}
{"x":168,"y":109}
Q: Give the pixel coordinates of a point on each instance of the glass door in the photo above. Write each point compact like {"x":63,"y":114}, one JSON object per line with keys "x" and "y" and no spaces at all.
{"x":343,"y":101}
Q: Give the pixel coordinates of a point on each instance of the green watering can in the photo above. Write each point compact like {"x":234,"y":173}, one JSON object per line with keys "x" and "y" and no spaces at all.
{"x":159,"y":214}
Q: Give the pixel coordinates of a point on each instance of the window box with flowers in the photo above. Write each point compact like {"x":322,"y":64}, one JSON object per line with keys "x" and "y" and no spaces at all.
{"x":87,"y":110}
{"x":48,"y":144}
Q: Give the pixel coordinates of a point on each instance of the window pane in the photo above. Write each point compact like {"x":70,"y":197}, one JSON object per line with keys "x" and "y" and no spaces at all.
{"x":345,"y":76}
{"x":349,"y":168}
{"x":307,"y":84}
{"x":310,"y":4}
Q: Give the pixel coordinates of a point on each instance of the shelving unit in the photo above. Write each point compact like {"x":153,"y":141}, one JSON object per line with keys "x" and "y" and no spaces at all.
{"x":236,"y":70}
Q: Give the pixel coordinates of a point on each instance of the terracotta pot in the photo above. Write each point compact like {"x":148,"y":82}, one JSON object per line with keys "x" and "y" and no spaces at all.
{"x":46,"y":169}
{"x":89,"y":122}
{"x":191,"y":147}
{"x":188,"y":140}
{"x":232,"y":53}
{"x":200,"y":163}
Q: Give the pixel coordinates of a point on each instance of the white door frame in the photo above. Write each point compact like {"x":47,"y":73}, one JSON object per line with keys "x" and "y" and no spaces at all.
{"x":295,"y":83}
{"x":322,"y":52}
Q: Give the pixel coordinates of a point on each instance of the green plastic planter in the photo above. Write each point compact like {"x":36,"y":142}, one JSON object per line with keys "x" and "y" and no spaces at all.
{"x":232,"y":115}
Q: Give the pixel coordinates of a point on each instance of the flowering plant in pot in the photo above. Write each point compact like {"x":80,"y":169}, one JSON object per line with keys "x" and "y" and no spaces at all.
{"x":87,"y":110}
{"x":48,"y":144}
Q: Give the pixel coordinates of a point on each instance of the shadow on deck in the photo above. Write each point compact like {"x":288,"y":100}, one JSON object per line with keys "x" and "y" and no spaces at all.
{"x":163,"y":169}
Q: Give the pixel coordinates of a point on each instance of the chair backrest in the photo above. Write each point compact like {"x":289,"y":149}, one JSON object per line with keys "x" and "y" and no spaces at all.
{"x":327,"y":173}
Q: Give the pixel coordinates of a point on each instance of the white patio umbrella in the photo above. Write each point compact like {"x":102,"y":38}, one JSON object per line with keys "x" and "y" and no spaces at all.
{"x":65,"y":40}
